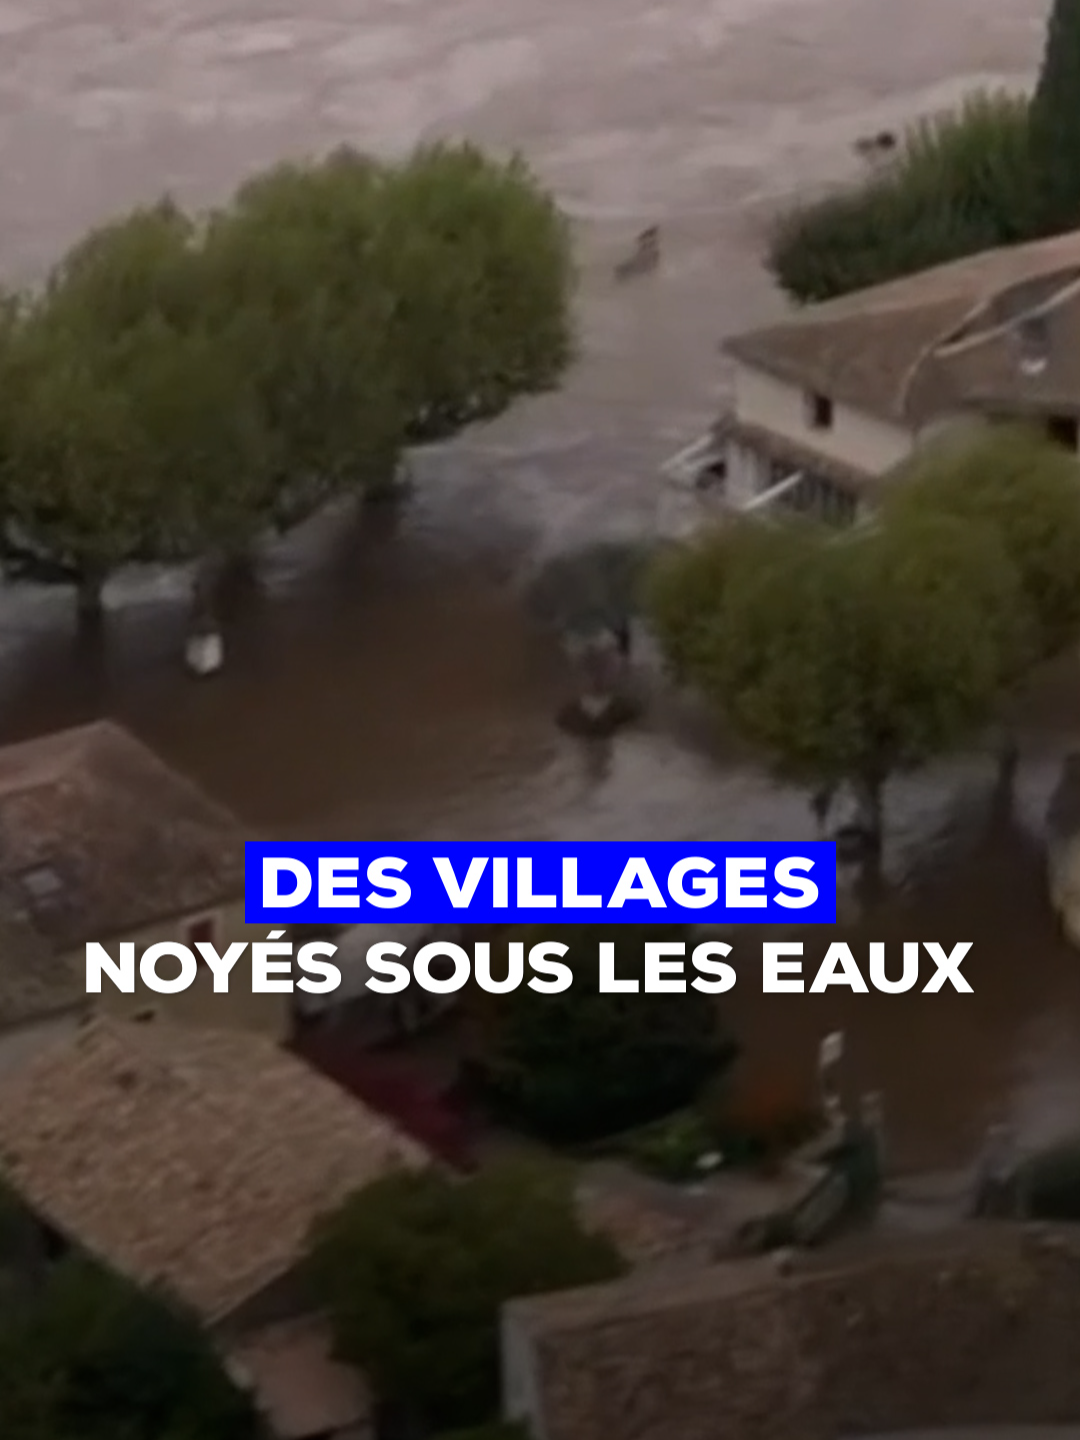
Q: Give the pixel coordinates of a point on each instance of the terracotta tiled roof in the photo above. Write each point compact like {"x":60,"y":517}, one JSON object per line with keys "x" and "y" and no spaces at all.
{"x":871,"y":348}
{"x":194,"y":1159}
{"x":99,"y":837}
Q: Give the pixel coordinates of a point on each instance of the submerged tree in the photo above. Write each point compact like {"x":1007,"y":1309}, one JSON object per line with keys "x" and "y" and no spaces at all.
{"x":1025,"y":487}
{"x":478,"y":260}
{"x":845,"y":659}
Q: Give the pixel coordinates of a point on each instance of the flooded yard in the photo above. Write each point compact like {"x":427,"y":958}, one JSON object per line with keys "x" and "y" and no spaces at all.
{"x":387,"y":682}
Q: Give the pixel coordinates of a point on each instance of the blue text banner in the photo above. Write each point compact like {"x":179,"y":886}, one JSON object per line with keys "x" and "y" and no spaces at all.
{"x":597,"y":881}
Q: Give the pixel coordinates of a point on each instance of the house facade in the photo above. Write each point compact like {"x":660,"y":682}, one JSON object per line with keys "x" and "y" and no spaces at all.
{"x":827,"y":402}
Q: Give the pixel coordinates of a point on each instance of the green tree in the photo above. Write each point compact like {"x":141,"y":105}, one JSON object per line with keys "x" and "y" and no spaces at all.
{"x":1025,"y":487}
{"x":582,"y":1065}
{"x":92,"y":1358}
{"x":478,"y":259}
{"x":293,"y":278}
{"x":130,"y":429}
{"x":847,"y":658}
{"x":414,"y":1270}
{"x":1055,"y":120}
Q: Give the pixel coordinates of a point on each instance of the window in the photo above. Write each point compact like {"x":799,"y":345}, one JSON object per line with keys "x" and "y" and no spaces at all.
{"x":1064,"y":430}
{"x":202,"y":931}
{"x":819,"y":411}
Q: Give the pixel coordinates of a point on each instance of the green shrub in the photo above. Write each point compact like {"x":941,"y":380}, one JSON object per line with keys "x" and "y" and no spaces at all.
{"x":961,"y":184}
{"x":581,"y":1065}
{"x":675,"y":1149}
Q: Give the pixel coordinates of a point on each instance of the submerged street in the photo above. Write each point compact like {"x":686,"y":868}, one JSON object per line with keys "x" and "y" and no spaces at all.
{"x":387,"y":682}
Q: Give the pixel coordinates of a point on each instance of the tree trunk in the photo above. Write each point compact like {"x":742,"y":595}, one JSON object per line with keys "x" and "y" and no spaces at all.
{"x":89,"y":588}
{"x":870,"y":810}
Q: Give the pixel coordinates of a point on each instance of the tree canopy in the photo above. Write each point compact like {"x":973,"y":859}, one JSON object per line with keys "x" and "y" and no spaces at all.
{"x":581,"y":1065}
{"x":1055,"y":120}
{"x":414,"y":1270}
{"x":89,"y":1357}
{"x":182,"y":383}
{"x":1023,"y":485}
{"x":845,"y":658}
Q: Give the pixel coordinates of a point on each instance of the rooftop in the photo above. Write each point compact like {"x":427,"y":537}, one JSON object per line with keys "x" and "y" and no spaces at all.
{"x":297,"y":1384}
{"x":950,"y":336}
{"x":193,"y":1159}
{"x":98,"y":837}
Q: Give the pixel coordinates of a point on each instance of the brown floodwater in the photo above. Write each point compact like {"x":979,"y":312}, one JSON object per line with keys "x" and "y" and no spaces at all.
{"x":387,"y":682}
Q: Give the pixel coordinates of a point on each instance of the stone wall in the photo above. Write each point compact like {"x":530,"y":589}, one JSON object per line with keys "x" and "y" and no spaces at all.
{"x":983,"y":1327}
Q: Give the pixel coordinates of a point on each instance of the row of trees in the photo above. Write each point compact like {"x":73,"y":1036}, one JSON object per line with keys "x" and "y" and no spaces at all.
{"x":183,"y":382}
{"x":1001,"y":169}
{"x":847,"y":656}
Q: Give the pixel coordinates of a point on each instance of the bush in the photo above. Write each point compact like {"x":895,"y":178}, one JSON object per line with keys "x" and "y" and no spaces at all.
{"x":416,"y":1267}
{"x":962,"y":183}
{"x":582,"y":1065}
{"x":675,"y":1149}
{"x":92,"y":1358}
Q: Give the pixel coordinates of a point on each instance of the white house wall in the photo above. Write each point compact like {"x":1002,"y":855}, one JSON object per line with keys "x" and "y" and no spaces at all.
{"x":854,"y":438}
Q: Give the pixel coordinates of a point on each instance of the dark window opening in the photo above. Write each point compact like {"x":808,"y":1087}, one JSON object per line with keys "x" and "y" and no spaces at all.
{"x":201,"y":932}
{"x":819,"y":411}
{"x":1064,"y":430}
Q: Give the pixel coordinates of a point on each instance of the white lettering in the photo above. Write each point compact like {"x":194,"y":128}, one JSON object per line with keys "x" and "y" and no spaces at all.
{"x":379,"y":875}
{"x":838,"y":957}
{"x":99,"y":962}
{"x":307,"y":958}
{"x":881,"y":981}
{"x":742,"y":876}
{"x":637,"y":883}
{"x":189,"y":967}
{"x":702,"y":959}
{"x":273,"y":869}
{"x":702,"y":893}
{"x":948,"y":967}
{"x":525,"y":884}
{"x":264,"y":969}
{"x":571,"y":899}
{"x":438,"y":950}
{"x":609,"y":985}
{"x":790,"y":875}
{"x":378,"y":959}
{"x":773,"y":967}
{"x":461,"y":895}
{"x":656,"y":967}
{"x":335,"y":877}
{"x":561,"y":977}
{"x":221,"y":965}
{"x":515,"y":968}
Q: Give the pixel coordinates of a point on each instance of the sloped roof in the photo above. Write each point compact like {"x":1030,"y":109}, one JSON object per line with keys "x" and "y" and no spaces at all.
{"x":98,"y":836}
{"x":193,"y":1159}
{"x":875,"y":348}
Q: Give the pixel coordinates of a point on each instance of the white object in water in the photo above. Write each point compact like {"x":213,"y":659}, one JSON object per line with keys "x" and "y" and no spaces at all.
{"x":205,"y":654}
{"x":831,"y":1050}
